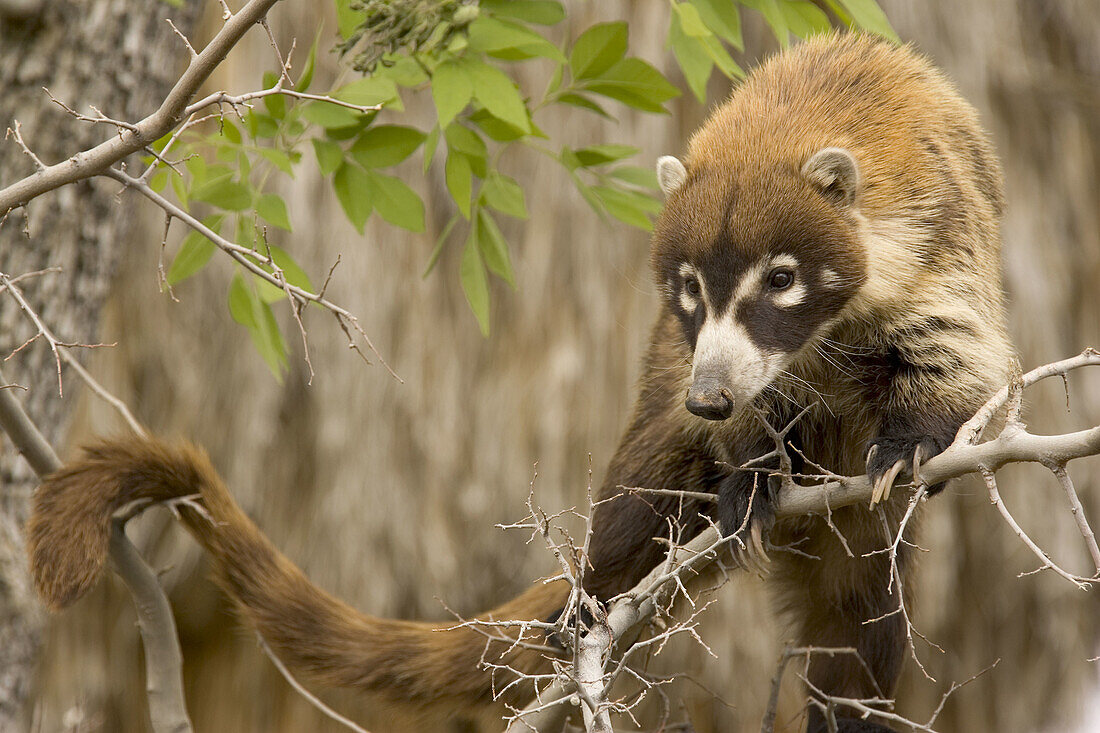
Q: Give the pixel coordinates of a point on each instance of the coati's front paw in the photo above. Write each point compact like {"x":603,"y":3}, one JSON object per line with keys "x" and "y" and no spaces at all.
{"x":563,"y":640}
{"x":748,"y":516}
{"x":892,"y":456}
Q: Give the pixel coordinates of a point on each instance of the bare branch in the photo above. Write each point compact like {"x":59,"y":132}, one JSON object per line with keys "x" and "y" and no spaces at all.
{"x":61,"y":353}
{"x":171,"y":112}
{"x":163,"y":661}
{"x":309,"y":696}
{"x":252,"y":260}
{"x":688,"y":563}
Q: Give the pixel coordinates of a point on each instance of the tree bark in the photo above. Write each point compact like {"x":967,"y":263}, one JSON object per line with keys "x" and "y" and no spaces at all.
{"x":119,"y":56}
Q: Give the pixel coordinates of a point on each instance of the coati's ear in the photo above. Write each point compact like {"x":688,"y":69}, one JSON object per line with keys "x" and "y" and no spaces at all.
{"x":671,"y":174}
{"x":835,"y":172}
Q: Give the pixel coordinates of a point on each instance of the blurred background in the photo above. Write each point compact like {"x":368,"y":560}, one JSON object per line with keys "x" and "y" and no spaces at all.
{"x":386,"y":493}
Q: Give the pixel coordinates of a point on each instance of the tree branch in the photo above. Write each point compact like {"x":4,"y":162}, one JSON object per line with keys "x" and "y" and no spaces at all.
{"x":163,"y":659}
{"x":690,"y":562}
{"x":171,"y":112}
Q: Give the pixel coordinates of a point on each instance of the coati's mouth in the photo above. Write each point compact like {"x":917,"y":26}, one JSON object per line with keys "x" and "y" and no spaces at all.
{"x":709,"y":399}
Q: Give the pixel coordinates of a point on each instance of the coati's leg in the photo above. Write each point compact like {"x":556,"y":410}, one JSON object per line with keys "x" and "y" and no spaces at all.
{"x":625,"y":523}
{"x":746,"y":497}
{"x":623,"y":549}
{"x":831,"y":597}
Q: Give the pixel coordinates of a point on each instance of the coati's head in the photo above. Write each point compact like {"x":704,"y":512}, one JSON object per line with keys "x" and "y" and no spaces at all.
{"x":756,"y":262}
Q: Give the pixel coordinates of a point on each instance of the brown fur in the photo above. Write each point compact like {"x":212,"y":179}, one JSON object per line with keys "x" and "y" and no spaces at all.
{"x":920,"y":343}
{"x":313,"y":632}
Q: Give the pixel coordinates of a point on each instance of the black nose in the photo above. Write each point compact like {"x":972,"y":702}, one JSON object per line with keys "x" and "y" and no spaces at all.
{"x":707,"y":398}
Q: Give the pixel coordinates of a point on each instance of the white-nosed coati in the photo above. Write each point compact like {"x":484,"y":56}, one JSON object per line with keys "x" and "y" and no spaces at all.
{"x":831,"y":240}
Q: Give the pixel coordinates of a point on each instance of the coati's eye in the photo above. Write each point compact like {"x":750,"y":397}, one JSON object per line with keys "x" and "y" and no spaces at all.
{"x":780,"y":279}
{"x":692,"y":286}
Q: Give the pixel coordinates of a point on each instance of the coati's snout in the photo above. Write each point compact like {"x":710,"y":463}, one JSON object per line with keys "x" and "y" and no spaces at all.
{"x":708,"y":397}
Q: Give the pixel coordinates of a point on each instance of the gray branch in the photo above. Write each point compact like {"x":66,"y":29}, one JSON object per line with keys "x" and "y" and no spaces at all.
{"x":695,"y":562}
{"x":163,"y":659}
{"x":171,"y":112}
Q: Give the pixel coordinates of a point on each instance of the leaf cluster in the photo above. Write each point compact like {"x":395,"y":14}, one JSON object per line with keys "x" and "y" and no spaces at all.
{"x":464,"y":56}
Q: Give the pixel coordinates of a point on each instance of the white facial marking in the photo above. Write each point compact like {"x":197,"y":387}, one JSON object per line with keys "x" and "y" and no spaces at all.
{"x":725,"y":350}
{"x":671,"y":174}
{"x":688,"y":301}
{"x":792,"y":296}
{"x":830,"y":278}
{"x":785,"y":260}
{"x":750,"y":284}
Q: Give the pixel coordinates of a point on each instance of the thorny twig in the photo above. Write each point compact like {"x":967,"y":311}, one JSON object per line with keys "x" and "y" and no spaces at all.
{"x":966,"y":455}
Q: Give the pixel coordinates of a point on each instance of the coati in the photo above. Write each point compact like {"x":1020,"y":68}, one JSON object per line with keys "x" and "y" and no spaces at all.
{"x":830,"y":242}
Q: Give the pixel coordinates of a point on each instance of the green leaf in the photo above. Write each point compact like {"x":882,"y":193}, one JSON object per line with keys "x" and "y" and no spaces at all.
{"x":579,"y":100}
{"x":494,"y":36}
{"x":429,"y":147}
{"x":598,"y":49}
{"x":451,"y":91}
{"x":475,"y":284}
{"x":495,"y":128}
{"x":635,"y":83}
{"x":690,"y":21}
{"x":260,"y":126}
{"x":159,"y":181}
{"x":230,"y":132}
{"x":279,"y":159}
{"x":600,"y":154}
{"x":869,"y":16}
{"x":723,"y":18}
{"x":224,"y":192}
{"x":692,"y":58}
{"x":463,"y":139}
{"x":381,"y":146}
{"x":348,"y":132}
{"x":721,"y":57}
{"x":774,"y":17}
{"x":804,"y":18}
{"x":370,"y":91}
{"x":329,"y":155}
{"x":494,"y":249}
{"x":636,"y":175}
{"x":347,"y":18}
{"x":396,"y":202}
{"x":194,"y":252}
{"x":497,"y":93}
{"x":328,"y":115}
{"x":505,"y":195}
{"x":247,"y":234}
{"x":272,"y":209}
{"x":542,"y":12}
{"x":255,"y":315}
{"x":306,"y":77}
{"x":459,"y":180}
{"x":628,"y":207}
{"x":294,"y":274}
{"x":354,"y":193}
{"x":275,"y":103}
{"x":179,"y":187}
{"x":441,"y":240}
{"x":403,"y":70}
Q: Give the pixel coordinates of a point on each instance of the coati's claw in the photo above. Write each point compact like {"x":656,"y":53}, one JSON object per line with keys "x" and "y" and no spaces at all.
{"x":885,"y":482}
{"x":757,"y":535}
{"x":751,"y":518}
{"x":891,"y":457}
